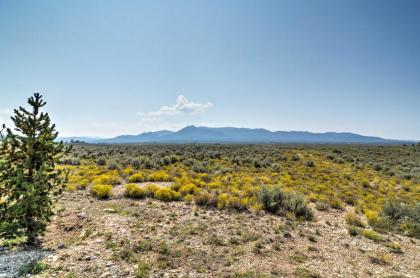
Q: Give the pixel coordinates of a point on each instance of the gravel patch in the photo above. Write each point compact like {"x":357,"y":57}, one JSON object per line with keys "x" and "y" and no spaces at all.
{"x":12,"y":261}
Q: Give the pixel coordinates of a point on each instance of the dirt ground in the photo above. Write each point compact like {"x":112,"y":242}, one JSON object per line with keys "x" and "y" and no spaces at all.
{"x":148,"y":238}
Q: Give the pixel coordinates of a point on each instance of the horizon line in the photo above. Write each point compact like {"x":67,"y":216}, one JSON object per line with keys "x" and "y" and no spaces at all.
{"x":251,"y":128}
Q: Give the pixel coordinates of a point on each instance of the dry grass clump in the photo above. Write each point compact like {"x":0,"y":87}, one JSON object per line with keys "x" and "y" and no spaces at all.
{"x":205,"y":199}
{"x":372,"y":235}
{"x":353,"y":219}
{"x":380,"y":258}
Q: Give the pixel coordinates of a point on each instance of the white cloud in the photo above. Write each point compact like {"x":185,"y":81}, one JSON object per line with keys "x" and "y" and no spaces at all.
{"x":182,"y":106}
{"x":162,"y":119}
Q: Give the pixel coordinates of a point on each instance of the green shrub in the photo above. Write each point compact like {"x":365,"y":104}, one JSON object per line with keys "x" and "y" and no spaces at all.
{"x":396,"y":211}
{"x":101,"y":161}
{"x":372,"y":235}
{"x":295,"y":157}
{"x":134,"y":191}
{"x":273,"y":200}
{"x":398,"y":216}
{"x":32,"y":268}
{"x":142,"y":270}
{"x":353,"y":231}
{"x":114,"y":166}
{"x":101,"y":191}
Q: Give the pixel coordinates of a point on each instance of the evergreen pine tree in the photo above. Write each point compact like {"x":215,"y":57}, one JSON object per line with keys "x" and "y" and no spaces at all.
{"x":29,"y":180}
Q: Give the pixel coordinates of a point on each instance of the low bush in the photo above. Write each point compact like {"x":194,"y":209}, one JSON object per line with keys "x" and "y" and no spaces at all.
{"x":77,"y":182}
{"x":166,"y":194}
{"x":337,"y":204}
{"x":151,"y":189}
{"x":274,"y":200}
{"x":101,"y":161}
{"x":101,"y":191}
{"x":372,"y":235}
{"x":188,"y":189}
{"x":159,"y":176}
{"x":322,"y":206}
{"x":380,"y":258}
{"x":33,"y":267}
{"x":134,"y":191}
{"x":205,"y":199}
{"x":295,"y":157}
{"x":128,"y":171}
{"x":396,"y":211}
{"x":142,"y":270}
{"x":137,"y":177}
{"x":113,"y":166}
{"x":111,"y":179}
{"x":398,"y":216}
{"x":225,"y":200}
{"x":353,"y":219}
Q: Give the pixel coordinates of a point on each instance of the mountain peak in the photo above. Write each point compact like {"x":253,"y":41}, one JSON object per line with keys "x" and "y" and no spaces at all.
{"x":189,"y":127}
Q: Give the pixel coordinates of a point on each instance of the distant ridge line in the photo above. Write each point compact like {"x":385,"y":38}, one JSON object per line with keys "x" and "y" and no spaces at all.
{"x":194,"y":134}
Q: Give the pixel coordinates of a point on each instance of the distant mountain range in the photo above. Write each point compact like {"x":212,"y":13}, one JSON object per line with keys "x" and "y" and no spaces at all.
{"x":194,"y":134}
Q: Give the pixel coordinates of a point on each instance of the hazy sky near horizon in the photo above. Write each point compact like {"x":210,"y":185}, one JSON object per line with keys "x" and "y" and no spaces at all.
{"x":123,"y":67}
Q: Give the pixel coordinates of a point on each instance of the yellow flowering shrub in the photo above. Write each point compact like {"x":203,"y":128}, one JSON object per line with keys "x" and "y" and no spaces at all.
{"x":111,"y":179}
{"x":159,"y":176}
{"x":188,"y":189}
{"x":134,"y":191}
{"x":137,"y":177}
{"x":101,"y":191}
{"x":151,"y":189}
{"x":166,"y":194}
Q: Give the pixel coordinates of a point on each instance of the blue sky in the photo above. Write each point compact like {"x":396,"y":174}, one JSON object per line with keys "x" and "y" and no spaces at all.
{"x":119,"y":67}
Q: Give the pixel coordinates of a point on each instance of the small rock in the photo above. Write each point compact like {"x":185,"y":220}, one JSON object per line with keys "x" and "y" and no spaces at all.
{"x":61,"y":246}
{"x":109,"y":264}
{"x":53,"y":258}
